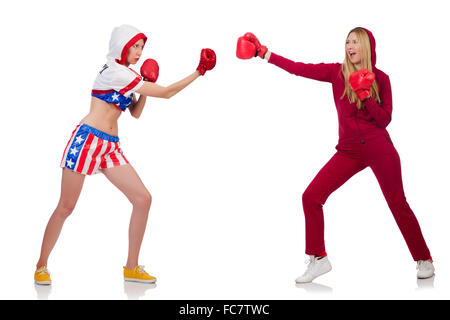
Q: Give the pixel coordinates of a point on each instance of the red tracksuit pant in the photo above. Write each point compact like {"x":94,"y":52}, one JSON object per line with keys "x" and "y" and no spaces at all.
{"x":381,"y":156}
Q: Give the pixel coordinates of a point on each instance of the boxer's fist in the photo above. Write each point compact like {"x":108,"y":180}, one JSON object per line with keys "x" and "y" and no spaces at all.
{"x":245,"y":48}
{"x":361,"y":81}
{"x":150,"y":70}
{"x":207,"y":61}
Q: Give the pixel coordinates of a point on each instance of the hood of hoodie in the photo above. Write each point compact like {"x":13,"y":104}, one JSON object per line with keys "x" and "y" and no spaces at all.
{"x":372,"y":46}
{"x":122,"y":38}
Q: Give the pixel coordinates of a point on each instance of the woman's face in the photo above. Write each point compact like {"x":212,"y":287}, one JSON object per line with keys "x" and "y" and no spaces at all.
{"x":353,"y":49}
{"x":135,"y":52}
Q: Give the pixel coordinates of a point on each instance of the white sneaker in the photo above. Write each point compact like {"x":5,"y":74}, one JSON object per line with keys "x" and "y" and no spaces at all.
{"x":316,"y":267}
{"x":425,"y":269}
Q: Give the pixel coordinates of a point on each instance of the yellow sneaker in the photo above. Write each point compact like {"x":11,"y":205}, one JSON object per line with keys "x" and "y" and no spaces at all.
{"x":42,"y":276}
{"x":138,"y":274}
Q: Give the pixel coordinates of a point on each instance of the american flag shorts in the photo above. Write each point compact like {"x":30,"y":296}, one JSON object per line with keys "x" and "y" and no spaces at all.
{"x":90,"y":150}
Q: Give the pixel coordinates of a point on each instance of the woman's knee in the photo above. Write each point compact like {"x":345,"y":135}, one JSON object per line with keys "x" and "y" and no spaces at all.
{"x":64,"y":209}
{"x":399,"y":206}
{"x":142,"y":200}
{"x":310,"y":199}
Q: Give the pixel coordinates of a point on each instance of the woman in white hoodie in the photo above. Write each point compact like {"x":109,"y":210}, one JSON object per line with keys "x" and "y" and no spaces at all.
{"x":94,"y":144}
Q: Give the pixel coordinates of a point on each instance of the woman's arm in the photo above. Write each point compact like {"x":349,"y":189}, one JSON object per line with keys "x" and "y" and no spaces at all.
{"x":267,"y":56}
{"x":320,"y":71}
{"x":381,"y":113}
{"x":137,"y":106}
{"x":150,"y":89}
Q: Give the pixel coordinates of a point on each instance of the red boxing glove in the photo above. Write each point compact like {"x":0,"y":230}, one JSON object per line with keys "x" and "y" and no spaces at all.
{"x":260,"y":50}
{"x":150,"y":70}
{"x":207,"y":61}
{"x":361,"y":82}
{"x":245,"y":49}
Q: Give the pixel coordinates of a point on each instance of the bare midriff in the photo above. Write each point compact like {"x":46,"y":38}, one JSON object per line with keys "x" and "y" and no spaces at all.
{"x":103,"y":116}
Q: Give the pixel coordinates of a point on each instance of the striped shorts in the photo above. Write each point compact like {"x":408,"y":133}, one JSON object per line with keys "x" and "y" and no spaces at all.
{"x":90,"y":150}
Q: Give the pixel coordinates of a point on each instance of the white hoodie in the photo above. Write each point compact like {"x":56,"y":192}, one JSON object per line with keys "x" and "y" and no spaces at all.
{"x":116,"y":83}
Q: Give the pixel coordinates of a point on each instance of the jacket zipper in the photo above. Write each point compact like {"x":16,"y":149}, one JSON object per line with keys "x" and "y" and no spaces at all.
{"x":359,"y":129}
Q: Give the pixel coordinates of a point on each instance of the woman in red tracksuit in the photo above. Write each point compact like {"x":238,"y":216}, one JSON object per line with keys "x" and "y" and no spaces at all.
{"x":362,"y":94}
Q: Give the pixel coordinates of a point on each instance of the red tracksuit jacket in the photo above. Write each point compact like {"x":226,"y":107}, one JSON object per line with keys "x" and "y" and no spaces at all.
{"x":354,"y":125}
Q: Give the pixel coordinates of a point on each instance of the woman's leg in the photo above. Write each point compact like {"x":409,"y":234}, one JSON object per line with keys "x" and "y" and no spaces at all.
{"x":385,"y":164}
{"x":333,"y":175}
{"x":127,"y":180}
{"x":71,"y":185}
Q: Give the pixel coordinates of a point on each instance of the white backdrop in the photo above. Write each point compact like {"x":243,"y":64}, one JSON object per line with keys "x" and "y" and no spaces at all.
{"x":228,"y":158}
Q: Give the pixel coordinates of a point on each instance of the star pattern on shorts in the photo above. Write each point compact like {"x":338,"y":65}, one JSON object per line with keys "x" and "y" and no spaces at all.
{"x":74,"y":151}
{"x":79,"y":139}
{"x":70,"y":163}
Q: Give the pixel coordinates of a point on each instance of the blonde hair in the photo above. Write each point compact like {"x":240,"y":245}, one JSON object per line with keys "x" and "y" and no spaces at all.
{"x":366,"y":63}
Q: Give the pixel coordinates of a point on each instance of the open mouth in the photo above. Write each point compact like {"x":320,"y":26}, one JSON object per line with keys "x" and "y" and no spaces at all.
{"x":351,"y":54}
